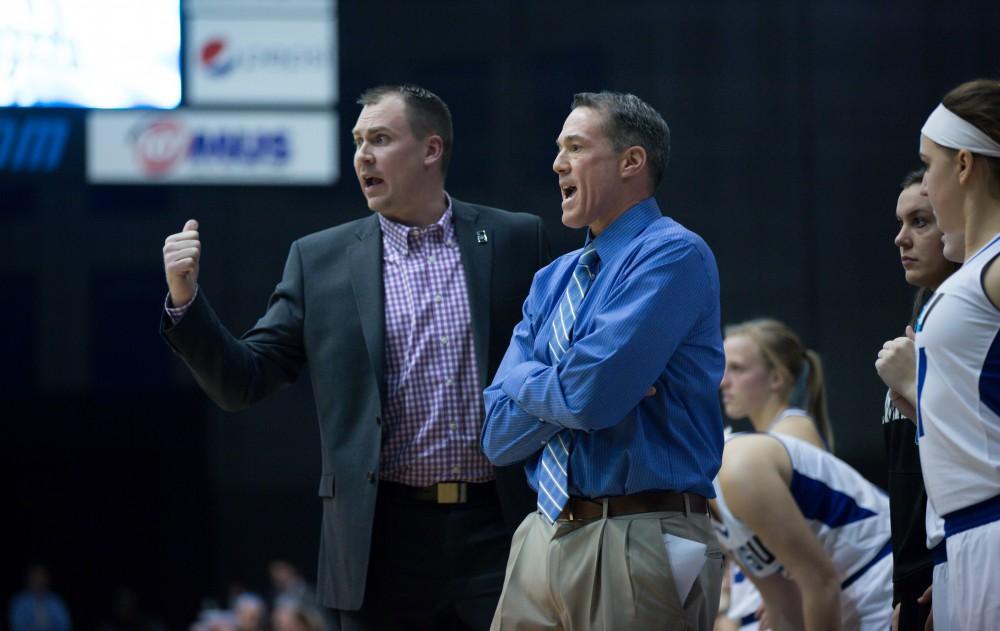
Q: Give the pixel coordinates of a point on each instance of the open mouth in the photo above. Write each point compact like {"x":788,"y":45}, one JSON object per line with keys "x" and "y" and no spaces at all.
{"x":568,"y":192}
{"x":371,"y":181}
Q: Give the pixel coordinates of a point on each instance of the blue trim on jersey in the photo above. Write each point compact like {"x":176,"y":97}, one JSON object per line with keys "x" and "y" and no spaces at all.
{"x":939,"y":553}
{"x":989,"y":377}
{"x":818,"y":501}
{"x":739,"y":576}
{"x":748,"y":619}
{"x":926,"y":311}
{"x":921,"y":377}
{"x":982,"y":249}
{"x":985,"y":512}
{"x":884,"y":552}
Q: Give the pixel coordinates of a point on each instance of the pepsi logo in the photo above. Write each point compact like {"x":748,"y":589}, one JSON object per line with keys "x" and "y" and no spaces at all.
{"x":216,"y":58}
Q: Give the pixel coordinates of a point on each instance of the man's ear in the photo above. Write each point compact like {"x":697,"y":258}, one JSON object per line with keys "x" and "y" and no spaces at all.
{"x":433,"y":150}
{"x":633,"y":161}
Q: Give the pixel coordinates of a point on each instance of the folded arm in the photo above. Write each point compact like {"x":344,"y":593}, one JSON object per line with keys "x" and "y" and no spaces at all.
{"x":606,"y":371}
{"x":609,"y":369}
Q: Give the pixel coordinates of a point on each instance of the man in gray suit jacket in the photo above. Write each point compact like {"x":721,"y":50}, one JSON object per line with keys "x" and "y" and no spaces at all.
{"x":402,"y":318}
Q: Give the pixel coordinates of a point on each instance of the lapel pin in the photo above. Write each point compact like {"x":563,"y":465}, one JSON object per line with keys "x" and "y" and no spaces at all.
{"x":481,"y":236}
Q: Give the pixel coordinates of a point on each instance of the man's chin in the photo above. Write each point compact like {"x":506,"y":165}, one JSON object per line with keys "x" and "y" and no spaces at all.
{"x":570,"y":220}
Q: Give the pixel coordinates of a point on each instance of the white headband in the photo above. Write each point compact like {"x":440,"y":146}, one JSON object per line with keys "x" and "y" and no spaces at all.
{"x":950,"y":130}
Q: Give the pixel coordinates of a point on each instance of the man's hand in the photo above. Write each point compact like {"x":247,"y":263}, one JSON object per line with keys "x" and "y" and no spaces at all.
{"x":181,"y":256}
{"x":897,"y":366}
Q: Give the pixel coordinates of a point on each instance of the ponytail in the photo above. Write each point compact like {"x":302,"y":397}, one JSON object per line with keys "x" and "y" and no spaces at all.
{"x":817,"y":396}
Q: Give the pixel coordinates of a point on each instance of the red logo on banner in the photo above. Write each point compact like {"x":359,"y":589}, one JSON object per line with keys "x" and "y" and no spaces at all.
{"x":160,"y":145}
{"x":215,"y":58}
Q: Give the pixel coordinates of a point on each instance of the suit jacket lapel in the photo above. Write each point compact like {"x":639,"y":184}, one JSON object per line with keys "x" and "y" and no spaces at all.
{"x":365,"y":261}
{"x":477,"y":259}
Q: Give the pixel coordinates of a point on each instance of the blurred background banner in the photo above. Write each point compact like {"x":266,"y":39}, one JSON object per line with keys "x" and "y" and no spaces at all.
{"x":792,"y":124}
{"x":205,"y":147}
{"x":261,"y":61}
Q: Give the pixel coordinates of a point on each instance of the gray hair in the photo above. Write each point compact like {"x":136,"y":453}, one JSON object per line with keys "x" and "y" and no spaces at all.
{"x":629,"y":121}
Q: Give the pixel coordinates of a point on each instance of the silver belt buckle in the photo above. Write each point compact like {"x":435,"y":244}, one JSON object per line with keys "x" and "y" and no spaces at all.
{"x":452,"y":492}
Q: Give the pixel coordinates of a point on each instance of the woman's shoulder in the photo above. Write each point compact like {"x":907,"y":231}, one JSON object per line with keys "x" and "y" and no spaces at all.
{"x":799,"y":425}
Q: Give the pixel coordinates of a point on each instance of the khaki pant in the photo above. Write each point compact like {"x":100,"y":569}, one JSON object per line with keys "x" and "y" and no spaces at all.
{"x":606,"y":574}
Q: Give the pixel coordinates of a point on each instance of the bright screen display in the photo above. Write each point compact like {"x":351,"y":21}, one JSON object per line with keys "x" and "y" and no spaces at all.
{"x":90,"y":53}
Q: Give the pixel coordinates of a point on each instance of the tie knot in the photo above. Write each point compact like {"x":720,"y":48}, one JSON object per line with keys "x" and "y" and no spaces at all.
{"x":589,"y":255}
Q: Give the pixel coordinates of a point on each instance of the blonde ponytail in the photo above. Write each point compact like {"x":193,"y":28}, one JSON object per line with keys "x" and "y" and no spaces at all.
{"x":817,"y":397}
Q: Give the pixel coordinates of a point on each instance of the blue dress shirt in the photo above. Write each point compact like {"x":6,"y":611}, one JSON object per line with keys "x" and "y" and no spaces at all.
{"x":650,"y":318}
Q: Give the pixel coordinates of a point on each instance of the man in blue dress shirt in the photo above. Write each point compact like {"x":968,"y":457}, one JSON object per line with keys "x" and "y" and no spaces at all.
{"x":609,"y":391}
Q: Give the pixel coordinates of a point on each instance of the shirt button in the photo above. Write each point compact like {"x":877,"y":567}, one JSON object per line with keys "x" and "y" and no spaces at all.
{"x":455,"y":470}
{"x":437,"y":297}
{"x":431,"y":258}
{"x":444,"y":340}
{"x":453,"y":426}
{"x":449,"y":381}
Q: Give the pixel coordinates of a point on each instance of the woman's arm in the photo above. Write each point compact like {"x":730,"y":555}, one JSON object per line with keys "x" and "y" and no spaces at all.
{"x":754,"y":478}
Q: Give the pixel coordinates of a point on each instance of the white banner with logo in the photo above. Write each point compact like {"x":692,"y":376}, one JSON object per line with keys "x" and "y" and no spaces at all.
{"x":201,"y":147}
{"x":261,"y":62}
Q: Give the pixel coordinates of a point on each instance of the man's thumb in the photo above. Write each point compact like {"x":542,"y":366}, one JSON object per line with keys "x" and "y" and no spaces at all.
{"x":909,"y":329}
{"x":190,"y":224}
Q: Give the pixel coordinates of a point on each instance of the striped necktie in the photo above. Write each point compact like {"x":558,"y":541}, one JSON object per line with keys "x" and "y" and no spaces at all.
{"x":553,"y":477}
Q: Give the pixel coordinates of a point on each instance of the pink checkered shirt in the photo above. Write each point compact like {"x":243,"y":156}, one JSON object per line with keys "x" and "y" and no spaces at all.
{"x":434,"y":408}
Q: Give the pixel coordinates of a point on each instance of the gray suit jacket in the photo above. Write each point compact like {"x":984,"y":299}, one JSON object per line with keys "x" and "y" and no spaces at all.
{"x":328,"y":312}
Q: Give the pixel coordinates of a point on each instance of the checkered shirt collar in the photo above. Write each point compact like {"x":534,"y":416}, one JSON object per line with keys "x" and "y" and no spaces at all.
{"x":401,"y":240}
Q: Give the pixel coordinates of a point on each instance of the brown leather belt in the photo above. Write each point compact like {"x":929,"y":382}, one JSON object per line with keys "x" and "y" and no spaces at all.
{"x":578,"y":508}
{"x":442,"y":492}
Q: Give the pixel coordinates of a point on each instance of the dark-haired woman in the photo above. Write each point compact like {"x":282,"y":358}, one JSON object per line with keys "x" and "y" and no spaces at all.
{"x":925,"y":267}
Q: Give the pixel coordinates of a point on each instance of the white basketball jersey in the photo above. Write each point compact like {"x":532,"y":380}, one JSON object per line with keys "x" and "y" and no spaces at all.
{"x":847,"y":513}
{"x":958,"y":389}
{"x":744,"y":599}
